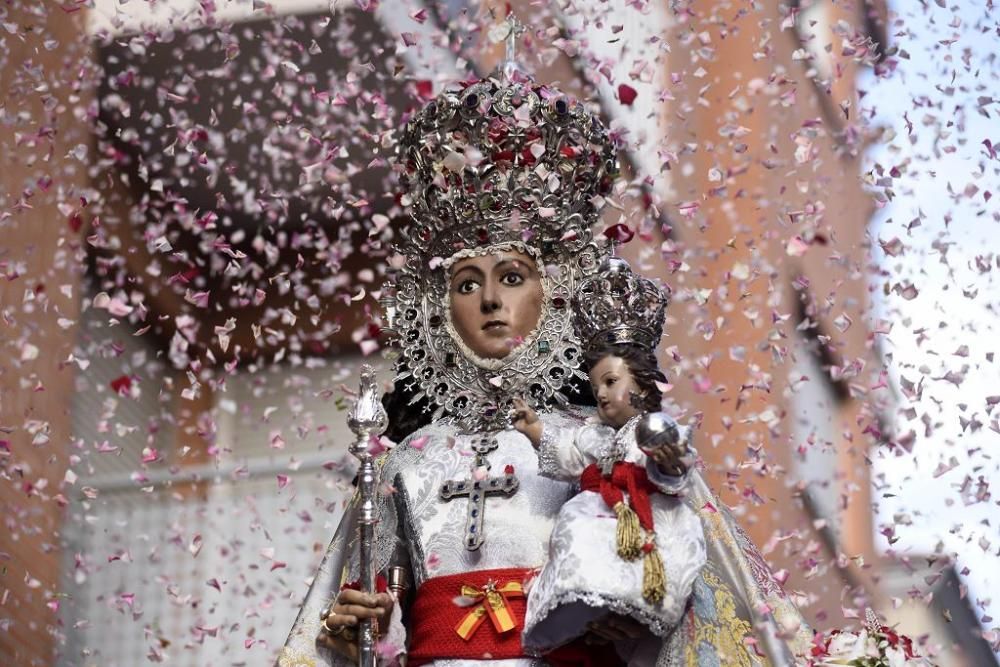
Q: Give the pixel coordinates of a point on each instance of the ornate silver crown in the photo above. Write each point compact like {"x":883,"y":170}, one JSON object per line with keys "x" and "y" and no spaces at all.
{"x":503,"y":160}
{"x":503,"y":163}
{"x":618,"y":306}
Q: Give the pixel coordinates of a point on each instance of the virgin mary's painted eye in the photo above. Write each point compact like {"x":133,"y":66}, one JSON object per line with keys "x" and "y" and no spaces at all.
{"x":467,"y":286}
{"x":512,"y":279}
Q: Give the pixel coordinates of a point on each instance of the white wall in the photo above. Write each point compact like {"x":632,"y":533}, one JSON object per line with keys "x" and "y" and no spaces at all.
{"x":213,"y":577}
{"x":814,"y":433}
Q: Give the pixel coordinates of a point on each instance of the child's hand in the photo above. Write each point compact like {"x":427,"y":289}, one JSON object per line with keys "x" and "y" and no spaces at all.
{"x":526,"y":421}
{"x":666,"y":443}
{"x":670,"y":458}
{"x":524,"y":415}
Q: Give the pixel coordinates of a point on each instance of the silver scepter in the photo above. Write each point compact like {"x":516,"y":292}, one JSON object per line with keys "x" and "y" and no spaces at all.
{"x":366,"y":419}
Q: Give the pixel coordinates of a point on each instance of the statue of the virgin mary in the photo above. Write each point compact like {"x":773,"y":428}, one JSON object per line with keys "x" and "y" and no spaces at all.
{"x":504,"y":180}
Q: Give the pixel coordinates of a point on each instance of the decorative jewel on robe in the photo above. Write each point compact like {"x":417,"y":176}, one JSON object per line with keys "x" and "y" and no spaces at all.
{"x":491,"y":602}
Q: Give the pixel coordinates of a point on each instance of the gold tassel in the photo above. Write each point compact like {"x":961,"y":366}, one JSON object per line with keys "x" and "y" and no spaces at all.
{"x":654,"y":579}
{"x":628,"y":535}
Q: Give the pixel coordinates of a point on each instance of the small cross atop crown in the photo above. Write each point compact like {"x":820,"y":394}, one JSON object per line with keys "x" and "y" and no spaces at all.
{"x":508,"y":32}
{"x":514,"y":30}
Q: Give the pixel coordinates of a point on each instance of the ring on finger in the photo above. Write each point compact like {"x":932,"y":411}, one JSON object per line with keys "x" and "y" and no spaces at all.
{"x":338,"y":631}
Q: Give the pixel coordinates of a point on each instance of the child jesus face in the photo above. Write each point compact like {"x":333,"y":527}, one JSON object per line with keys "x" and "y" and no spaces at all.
{"x":613,"y":388}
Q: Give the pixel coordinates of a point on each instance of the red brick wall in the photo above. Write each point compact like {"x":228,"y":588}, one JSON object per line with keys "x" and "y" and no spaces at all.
{"x":39,"y":251}
{"x":736,"y":244}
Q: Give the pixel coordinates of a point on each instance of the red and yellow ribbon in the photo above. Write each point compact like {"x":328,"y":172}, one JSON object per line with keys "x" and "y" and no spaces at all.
{"x":492,"y":599}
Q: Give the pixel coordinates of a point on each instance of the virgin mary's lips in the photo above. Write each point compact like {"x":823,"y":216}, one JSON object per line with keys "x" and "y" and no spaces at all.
{"x":493,"y":324}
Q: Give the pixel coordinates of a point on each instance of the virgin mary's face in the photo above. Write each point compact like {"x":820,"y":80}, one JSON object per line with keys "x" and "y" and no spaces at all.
{"x":495,"y":301}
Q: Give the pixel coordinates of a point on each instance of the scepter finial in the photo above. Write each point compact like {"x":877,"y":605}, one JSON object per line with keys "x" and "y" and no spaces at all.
{"x":368,"y":417}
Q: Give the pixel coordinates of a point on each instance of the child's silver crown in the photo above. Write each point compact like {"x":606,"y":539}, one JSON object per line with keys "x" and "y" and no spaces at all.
{"x":616,"y":306}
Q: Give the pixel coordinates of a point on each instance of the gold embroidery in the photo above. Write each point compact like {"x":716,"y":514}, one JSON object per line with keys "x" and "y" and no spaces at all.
{"x":290,"y":658}
{"x":737,"y":549}
{"x":724,"y":633}
{"x":762,"y":590}
{"x":300,"y":648}
{"x":716,"y":527}
{"x":788,"y":618}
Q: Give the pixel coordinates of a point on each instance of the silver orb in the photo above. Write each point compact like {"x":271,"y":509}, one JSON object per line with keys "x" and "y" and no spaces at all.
{"x":656,"y":430}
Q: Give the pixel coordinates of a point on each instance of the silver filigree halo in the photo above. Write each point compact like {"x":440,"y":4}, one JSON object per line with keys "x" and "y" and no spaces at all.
{"x":501,"y":163}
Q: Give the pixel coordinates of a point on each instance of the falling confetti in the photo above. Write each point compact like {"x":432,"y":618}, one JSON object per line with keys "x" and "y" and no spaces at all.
{"x":198,"y":213}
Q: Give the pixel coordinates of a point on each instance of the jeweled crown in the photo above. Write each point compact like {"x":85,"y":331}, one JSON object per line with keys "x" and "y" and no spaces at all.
{"x":617,"y":306}
{"x":503,"y":159}
{"x":500,"y":162}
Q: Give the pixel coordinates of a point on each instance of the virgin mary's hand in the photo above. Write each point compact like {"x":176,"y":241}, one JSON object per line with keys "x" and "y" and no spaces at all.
{"x":340,"y":622}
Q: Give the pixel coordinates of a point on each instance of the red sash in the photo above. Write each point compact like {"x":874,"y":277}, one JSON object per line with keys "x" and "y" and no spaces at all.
{"x":439,"y":622}
{"x":627,"y":477}
{"x":479,"y":615}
